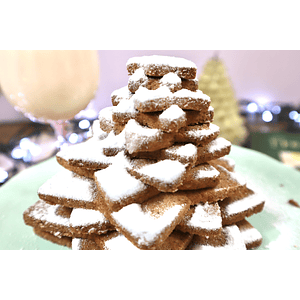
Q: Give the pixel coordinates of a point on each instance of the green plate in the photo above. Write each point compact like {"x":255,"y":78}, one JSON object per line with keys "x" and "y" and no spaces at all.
{"x":279,"y":223}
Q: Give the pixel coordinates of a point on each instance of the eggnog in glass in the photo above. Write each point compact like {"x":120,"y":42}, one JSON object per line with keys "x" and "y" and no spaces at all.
{"x":49,"y":86}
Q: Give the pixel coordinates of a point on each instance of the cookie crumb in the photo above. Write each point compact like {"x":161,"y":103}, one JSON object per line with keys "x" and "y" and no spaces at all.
{"x":281,"y":185}
{"x":294,"y":203}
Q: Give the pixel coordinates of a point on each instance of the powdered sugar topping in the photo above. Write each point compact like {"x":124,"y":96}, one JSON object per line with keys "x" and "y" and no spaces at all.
{"x":83,"y":217}
{"x":206,"y":216}
{"x":67,"y":184}
{"x":161,"y":60}
{"x":142,"y":225}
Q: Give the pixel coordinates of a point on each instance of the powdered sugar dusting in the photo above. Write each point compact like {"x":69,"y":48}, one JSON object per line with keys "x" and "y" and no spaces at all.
{"x":90,"y":151}
{"x":119,"y":242}
{"x":139,"y":74}
{"x":137,"y":135}
{"x":218,"y":144}
{"x":124,"y":106}
{"x":234,"y":240}
{"x":166,"y":171}
{"x":117,"y":183}
{"x":161,"y":60}
{"x":188,"y":150}
{"x":114,"y":140}
{"x":206,"y":216}
{"x":243,"y":204}
{"x":170,"y":78}
{"x":172,"y":113}
{"x":46,"y":212}
{"x":106,"y":113}
{"x":142,"y":225}
{"x":67,"y":184}
{"x":251,"y":235}
{"x":76,"y":243}
{"x":84,"y":217}
{"x":197,"y":133}
{"x":209,"y":172}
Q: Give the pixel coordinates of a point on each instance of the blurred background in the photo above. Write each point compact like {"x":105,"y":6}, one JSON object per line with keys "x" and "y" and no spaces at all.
{"x":254,"y":93}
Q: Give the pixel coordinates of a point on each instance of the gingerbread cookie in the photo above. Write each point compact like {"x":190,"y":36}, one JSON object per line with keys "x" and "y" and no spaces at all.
{"x":243,"y":204}
{"x":230,"y":239}
{"x":149,"y":224}
{"x":203,"y":219}
{"x":143,"y":139}
{"x":59,"y":240}
{"x":69,"y":189}
{"x":84,"y":244}
{"x":88,"y":156}
{"x":158,"y":66}
{"x":200,"y":177}
{"x":252,"y":237}
{"x":158,"y":100}
{"x":227,"y":186}
{"x":170,"y":80}
{"x":117,"y":188}
{"x":165,"y":175}
{"x":105,"y":119}
{"x":120,"y":94}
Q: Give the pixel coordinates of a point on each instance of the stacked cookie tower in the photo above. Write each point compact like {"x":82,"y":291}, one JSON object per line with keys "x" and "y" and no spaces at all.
{"x":154,"y":175}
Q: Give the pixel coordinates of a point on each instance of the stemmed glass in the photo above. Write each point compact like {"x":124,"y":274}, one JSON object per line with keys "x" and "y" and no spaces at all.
{"x":49,"y":86}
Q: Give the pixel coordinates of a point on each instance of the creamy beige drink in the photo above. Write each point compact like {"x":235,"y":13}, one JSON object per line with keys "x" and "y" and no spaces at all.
{"x":49,"y":84}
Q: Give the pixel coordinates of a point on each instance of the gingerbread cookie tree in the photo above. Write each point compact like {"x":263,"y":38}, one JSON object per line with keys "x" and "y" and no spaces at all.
{"x":214,"y":81}
{"x":153,"y":176}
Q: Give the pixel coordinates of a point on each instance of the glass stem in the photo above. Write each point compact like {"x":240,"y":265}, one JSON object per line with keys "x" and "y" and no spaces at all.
{"x":60,"y":130}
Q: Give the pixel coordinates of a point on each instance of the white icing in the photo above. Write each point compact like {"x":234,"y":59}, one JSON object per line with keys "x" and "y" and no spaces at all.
{"x":206,"y":216}
{"x":142,"y":225}
{"x":83,"y":217}
{"x":67,"y":184}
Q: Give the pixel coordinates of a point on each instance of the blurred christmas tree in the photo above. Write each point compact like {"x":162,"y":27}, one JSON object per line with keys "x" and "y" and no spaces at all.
{"x":215,"y":82}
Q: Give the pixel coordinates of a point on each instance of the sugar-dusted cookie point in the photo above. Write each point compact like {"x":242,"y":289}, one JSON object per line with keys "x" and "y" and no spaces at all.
{"x":157,"y":66}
